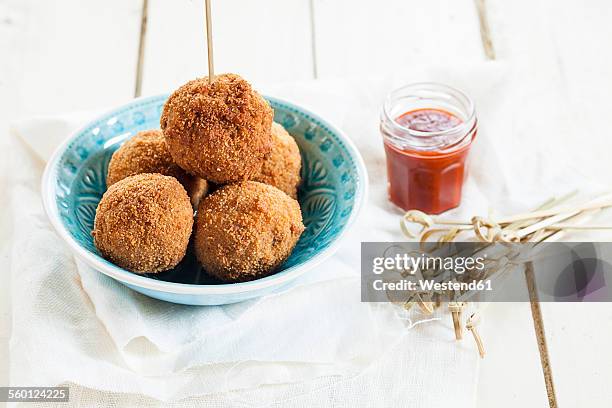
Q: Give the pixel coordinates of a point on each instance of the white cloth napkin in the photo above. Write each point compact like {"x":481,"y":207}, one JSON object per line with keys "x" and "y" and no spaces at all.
{"x":315,"y":345}
{"x":101,"y":335}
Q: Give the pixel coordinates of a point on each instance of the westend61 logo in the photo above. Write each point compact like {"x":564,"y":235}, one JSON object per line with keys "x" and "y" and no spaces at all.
{"x":470,"y":271}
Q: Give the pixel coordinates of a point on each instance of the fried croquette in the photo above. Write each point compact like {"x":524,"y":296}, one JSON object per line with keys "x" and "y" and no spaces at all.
{"x":147,"y":152}
{"x":143,"y":223}
{"x":218,"y":131}
{"x":245,"y":230}
{"x":281,"y":168}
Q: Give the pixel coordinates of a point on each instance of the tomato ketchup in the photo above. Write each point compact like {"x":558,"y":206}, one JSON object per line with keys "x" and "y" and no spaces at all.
{"x":428,"y":130}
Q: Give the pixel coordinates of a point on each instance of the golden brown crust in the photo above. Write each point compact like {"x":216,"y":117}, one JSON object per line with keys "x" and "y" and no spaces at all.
{"x":218,"y":131}
{"x":281,"y":168}
{"x":147,"y":152}
{"x":143,"y":223}
{"x":245,"y":230}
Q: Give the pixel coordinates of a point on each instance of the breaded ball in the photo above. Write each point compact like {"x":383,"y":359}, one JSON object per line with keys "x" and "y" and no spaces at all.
{"x":143,"y":223}
{"x":281,"y":168}
{"x":147,"y":152}
{"x":245,"y":230}
{"x":218,"y":131}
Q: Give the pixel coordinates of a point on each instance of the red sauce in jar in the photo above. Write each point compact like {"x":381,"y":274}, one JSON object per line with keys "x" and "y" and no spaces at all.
{"x":430,"y":181}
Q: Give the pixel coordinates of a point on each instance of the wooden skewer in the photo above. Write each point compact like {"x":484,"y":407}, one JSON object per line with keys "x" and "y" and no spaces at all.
{"x":426,"y":307}
{"x":209,"y":42}
{"x":597,"y":204}
{"x":579,"y":227}
{"x":464,"y":226}
{"x":471,"y":324}
{"x":456,"y":309}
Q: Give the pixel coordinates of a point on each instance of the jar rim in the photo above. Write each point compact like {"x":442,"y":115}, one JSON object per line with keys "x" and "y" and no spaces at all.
{"x":464,"y":127}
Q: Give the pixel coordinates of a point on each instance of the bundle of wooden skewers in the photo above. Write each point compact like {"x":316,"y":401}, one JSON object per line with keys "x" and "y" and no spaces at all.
{"x":548,"y":222}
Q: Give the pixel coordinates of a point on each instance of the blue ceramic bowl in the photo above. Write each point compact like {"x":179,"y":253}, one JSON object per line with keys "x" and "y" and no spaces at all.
{"x":332,"y":193}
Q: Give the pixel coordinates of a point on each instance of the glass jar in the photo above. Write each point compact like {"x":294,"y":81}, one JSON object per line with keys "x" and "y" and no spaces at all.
{"x":427,"y":129}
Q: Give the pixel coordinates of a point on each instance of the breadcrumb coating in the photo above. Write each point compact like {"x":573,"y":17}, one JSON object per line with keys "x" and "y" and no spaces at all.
{"x":281,"y":168}
{"x":147,"y":152}
{"x":218,"y":131}
{"x":143,"y":223}
{"x":245,"y":230}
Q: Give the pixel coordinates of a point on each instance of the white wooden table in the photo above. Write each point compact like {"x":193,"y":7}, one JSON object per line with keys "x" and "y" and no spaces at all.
{"x":62,"y":55}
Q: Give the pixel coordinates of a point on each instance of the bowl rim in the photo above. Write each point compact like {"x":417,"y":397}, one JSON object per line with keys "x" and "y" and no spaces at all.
{"x":49,"y":187}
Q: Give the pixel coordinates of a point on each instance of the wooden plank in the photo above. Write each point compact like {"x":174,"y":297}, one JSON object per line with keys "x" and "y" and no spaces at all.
{"x":562,"y":65}
{"x":73,"y":55}
{"x":578,"y":335}
{"x":263,"y":41}
{"x":59,"y":56}
{"x":367,"y":38}
{"x":510,"y":374}
{"x":579,"y":35}
{"x":579,"y":342}
{"x":8,"y":20}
